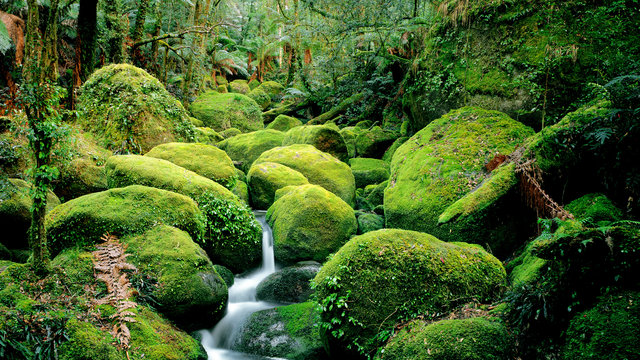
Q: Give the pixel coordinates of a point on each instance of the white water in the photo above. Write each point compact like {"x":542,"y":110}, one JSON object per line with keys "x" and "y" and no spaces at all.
{"x":242,"y":303}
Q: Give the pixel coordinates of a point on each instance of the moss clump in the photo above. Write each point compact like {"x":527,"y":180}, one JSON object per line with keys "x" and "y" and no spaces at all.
{"x":445,"y":161}
{"x":595,"y":207}
{"x":208,"y":136}
{"x":80,"y":177}
{"x":129,"y":210}
{"x":190,"y":292}
{"x":15,"y":212}
{"x":204,"y":160}
{"x":260,"y":97}
{"x":609,"y":330}
{"x":318,"y":167}
{"x":373,"y":143}
{"x":309,"y":223}
{"x":225,"y":274}
{"x":229,"y":133}
{"x":466,"y":339}
{"x":86,"y":342}
{"x":388,"y":155}
{"x":382,"y":277}
{"x":369,"y":171}
{"x":376,"y":196}
{"x":324,"y":138}
{"x":241,"y":190}
{"x":239,"y":86}
{"x":224,"y":111}
{"x":349,"y":134}
{"x":272,"y":88}
{"x":369,"y":222}
{"x":526,"y":267}
{"x":266,"y":178}
{"x":130,"y":111}
{"x":284,"y":123}
{"x":287,"y":332}
{"x":246,"y":148}
{"x":254,"y":84}
{"x":289,"y":285}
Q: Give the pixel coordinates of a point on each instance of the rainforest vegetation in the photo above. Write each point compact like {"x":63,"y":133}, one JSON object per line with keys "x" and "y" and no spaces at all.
{"x":442,"y":179}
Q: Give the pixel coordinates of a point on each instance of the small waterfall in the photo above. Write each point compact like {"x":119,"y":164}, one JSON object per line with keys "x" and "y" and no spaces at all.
{"x":242,"y":303}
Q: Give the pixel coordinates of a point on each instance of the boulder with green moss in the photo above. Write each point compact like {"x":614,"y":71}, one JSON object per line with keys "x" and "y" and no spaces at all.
{"x":309,"y":223}
{"x":272,"y":88}
{"x":369,"y":171}
{"x":129,"y":110}
{"x":374,"y":142}
{"x":476,"y":338}
{"x":205,"y":160}
{"x":254,"y":83}
{"x":525,"y":268}
{"x":266,"y":178}
{"x":368,"y":222}
{"x":382,"y":277}
{"x":229,"y":133}
{"x":318,"y":167}
{"x":241,"y":190}
{"x":15,"y":211}
{"x":324,"y":138}
{"x":80,"y":176}
{"x":350,"y":134}
{"x":208,"y":136}
{"x":288,"y":285}
{"x":284,"y":123}
{"x":439,"y":183}
{"x":287,"y":332}
{"x":260,"y":97}
{"x":224,"y":111}
{"x":388,"y":154}
{"x":239,"y":86}
{"x":189,"y":291}
{"x":225,"y":274}
{"x":246,"y":148}
{"x":596,"y":208}
{"x":376,"y":196}
{"x":122,"y":211}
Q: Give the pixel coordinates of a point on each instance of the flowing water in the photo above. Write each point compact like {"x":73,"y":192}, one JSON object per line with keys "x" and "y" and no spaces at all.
{"x":242,"y":303}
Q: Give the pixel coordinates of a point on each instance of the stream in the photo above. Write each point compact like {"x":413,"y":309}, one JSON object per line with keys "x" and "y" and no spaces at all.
{"x":242,"y":303}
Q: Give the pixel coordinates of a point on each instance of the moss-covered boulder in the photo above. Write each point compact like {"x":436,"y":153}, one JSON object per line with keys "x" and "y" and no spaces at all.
{"x":368,"y":222}
{"x":374,"y":142}
{"x":369,"y":171}
{"x":208,"y":136}
{"x":376,"y":196}
{"x":266,"y":178}
{"x":388,"y":155}
{"x":318,"y":167}
{"x":284,"y":123}
{"x":254,"y":83}
{"x":205,"y":160}
{"x":189,"y":290}
{"x":129,"y":110}
{"x":309,"y":223}
{"x":260,"y":97}
{"x":287,"y":332}
{"x":241,"y":190}
{"x":382,"y":277}
{"x":246,"y":148}
{"x":288,"y":285}
{"x":350,"y":134}
{"x":15,"y":212}
{"x":526,"y":267}
{"x":81,"y":176}
{"x":609,"y":330}
{"x":224,"y":111}
{"x":324,"y":138}
{"x":460,"y":339}
{"x":596,"y":208}
{"x":225,"y":274}
{"x":239,"y":86}
{"x":272,"y":88}
{"x":435,"y":176}
{"x":122,"y":211}
{"x":229,"y":133}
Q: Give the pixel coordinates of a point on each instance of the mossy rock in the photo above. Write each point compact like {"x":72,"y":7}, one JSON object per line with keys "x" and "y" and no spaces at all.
{"x":81,"y":177}
{"x":260,"y":97}
{"x":350,"y":134}
{"x":254,"y":84}
{"x":87,"y":341}
{"x":221,"y":80}
{"x":369,"y":222}
{"x":239,"y":87}
{"x":266,"y":178}
{"x":246,"y":148}
{"x":609,"y":330}
{"x":205,"y":160}
{"x":288,"y":285}
{"x":225,"y":274}
{"x":287,"y":332}
{"x":196,"y":122}
{"x":224,"y":111}
{"x":373,"y":143}
{"x":284,"y":123}
{"x":364,"y":124}
{"x":129,"y":110}
{"x":324,"y":138}
{"x":526,"y":267}
{"x":376,"y":196}
{"x":476,"y":338}
{"x":309,"y":223}
{"x":229,"y":133}
{"x":369,"y":171}
{"x":595,"y":207}
{"x":388,"y":155}
{"x":272,"y":88}
{"x":241,"y":190}
{"x":15,"y":211}
{"x":318,"y":167}
{"x":435,"y":178}
{"x":130,"y":210}
{"x":388,"y":275}
{"x":208,"y":136}
{"x":189,"y":290}
{"x":222,"y":89}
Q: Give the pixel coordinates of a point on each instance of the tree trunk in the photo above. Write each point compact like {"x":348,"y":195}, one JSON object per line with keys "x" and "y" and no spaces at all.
{"x":138,"y":30}
{"x":116,"y":31}
{"x":85,"y":45}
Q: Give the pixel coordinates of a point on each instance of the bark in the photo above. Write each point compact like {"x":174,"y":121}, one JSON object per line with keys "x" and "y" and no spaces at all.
{"x":138,"y":31}
{"x":85,"y":45}
{"x":116,"y":31}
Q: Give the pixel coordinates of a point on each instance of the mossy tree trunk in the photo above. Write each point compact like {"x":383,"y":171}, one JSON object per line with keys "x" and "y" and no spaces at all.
{"x":138,"y":30}
{"x":116,"y":31}
{"x":85,"y":44}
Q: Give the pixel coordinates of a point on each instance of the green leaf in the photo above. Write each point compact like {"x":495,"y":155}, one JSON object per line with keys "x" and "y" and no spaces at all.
{"x":5,"y":39}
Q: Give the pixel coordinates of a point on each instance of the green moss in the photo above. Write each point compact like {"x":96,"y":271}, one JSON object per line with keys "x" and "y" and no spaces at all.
{"x":376,"y":197}
{"x":266,"y":178}
{"x":272,"y":88}
{"x":81,"y":177}
{"x":368,"y":171}
{"x":260,"y":97}
{"x":254,"y":84}
{"x":389,"y":275}
{"x":318,"y":167}
{"x":204,"y":160}
{"x":190,"y":292}
{"x":526,"y":267}
{"x":369,"y":222}
{"x":129,"y":210}
{"x":374,"y":142}
{"x":288,"y":285}
{"x":309,"y":223}
{"x":229,"y":133}
{"x":225,"y":274}
{"x":388,"y":155}
{"x":239,"y":86}
{"x":208,"y":136}
{"x":130,"y":111}
{"x":466,"y":339}
{"x":196,"y":122}
{"x":444,"y":162}
{"x":77,"y":268}
{"x":87,"y":342}
{"x":284,"y":123}
{"x":246,"y":148}
{"x":224,"y":111}
{"x":222,"y":89}
{"x":607,"y":331}
{"x":241,"y":190}
{"x":595,"y":207}
{"x":324,"y":138}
